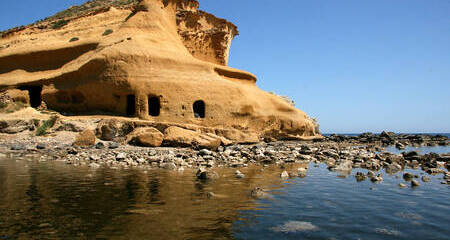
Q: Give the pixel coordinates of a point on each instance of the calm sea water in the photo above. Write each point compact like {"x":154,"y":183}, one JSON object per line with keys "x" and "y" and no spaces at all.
{"x":50,"y":200}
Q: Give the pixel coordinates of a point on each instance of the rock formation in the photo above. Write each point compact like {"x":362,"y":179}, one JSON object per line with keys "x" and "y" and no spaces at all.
{"x":162,"y":61}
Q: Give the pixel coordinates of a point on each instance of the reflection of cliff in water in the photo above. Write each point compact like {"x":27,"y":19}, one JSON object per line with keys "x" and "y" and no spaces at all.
{"x":56,"y":201}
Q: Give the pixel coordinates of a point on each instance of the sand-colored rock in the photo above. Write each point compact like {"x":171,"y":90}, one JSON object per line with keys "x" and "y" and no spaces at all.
{"x":179,"y":137}
{"x":85,"y":138}
{"x":146,"y":137}
{"x":163,"y":61}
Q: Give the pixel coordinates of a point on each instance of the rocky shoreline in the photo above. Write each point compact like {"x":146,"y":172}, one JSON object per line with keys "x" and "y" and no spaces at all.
{"x":340,"y":153}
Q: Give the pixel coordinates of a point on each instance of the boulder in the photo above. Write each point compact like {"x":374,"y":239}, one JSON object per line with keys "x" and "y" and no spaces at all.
{"x":85,"y":138}
{"x":180,"y":137}
{"x":146,"y":137}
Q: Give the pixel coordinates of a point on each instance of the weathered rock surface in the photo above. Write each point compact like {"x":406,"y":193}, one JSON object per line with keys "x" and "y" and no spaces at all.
{"x":179,"y":137}
{"x":162,"y":61}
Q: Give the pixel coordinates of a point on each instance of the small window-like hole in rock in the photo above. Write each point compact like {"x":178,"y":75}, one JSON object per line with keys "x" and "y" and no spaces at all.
{"x":154,"y":106}
{"x":34,"y":92}
{"x":131,"y":105}
{"x":199,"y":109}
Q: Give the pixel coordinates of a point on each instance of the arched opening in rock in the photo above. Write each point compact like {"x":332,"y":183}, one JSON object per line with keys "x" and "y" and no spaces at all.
{"x":154,"y":106}
{"x":131,"y":105}
{"x":199,"y":109}
{"x":34,"y":93}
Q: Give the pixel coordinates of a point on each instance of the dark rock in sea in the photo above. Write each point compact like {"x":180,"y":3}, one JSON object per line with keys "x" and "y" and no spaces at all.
{"x":415,"y":183}
{"x":258,"y":193}
{"x":426,"y":179}
{"x":203,"y":174}
{"x":378,"y":178}
{"x":408,"y":176}
{"x":360,"y":177}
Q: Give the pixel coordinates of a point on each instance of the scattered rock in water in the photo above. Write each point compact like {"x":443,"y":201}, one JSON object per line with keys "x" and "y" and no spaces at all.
{"x":94,"y":165}
{"x":295,"y":226}
{"x":169,"y":166}
{"x":239,"y":174}
{"x":258,"y":193}
{"x":402,"y":185}
{"x":210,"y":195}
{"x":284,"y":175}
{"x":203,"y":174}
{"x":415,"y":183}
{"x":408,"y":176}
{"x":378,"y":178}
{"x":426,"y":179}
{"x":360,"y":176}
{"x":399,"y":146}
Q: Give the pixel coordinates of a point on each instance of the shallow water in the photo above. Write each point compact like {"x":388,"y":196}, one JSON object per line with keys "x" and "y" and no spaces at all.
{"x":51,"y":200}
{"x":421,"y":150}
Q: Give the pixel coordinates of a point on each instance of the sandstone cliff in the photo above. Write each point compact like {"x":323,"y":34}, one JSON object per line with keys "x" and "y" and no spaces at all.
{"x":163,"y":61}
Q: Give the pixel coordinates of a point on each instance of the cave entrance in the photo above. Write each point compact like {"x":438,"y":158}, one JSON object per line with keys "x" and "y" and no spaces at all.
{"x":154,"y":106}
{"x":34,"y":93}
{"x":131,"y":105}
{"x":199,"y":109}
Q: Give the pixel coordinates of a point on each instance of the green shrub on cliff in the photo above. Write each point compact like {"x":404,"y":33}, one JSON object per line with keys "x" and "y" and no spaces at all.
{"x":42,"y":130}
{"x":59,"y":24}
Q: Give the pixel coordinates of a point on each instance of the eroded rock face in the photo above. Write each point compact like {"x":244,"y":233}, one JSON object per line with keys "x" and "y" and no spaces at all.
{"x":162,"y":61}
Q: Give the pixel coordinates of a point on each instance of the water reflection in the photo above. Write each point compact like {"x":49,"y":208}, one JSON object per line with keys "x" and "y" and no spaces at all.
{"x":53,"y":201}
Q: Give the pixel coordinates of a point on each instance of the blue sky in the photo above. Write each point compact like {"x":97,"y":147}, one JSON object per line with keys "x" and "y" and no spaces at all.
{"x":355,"y":65}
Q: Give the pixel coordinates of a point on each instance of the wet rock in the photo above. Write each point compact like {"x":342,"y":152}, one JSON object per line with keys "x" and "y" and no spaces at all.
{"x":360,"y":177}
{"x":284,"y":175}
{"x":94,"y":165}
{"x":393,"y":168}
{"x":426,"y":179}
{"x":239,"y":174}
{"x":203,"y":174}
{"x":378,"y":178}
{"x":343,"y":166}
{"x":85,"y":139}
{"x":211,"y":195}
{"x":415,"y":183}
{"x":402,"y":185}
{"x":399,"y":146}
{"x":258,"y":193}
{"x":169,"y":166}
{"x":408,"y":176}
